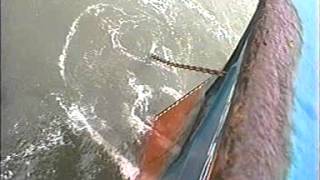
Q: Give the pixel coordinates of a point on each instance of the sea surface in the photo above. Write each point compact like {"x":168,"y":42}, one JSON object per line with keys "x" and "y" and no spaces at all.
{"x":79,"y":89}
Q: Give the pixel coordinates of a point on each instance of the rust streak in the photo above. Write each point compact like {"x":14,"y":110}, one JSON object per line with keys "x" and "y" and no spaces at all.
{"x":255,"y":142}
{"x":162,"y":142}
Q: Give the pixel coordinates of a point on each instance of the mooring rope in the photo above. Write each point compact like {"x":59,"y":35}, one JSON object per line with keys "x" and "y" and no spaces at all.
{"x":188,"y":67}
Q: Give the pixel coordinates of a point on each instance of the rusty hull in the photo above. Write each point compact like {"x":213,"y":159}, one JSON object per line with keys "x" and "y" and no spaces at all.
{"x":255,"y":141}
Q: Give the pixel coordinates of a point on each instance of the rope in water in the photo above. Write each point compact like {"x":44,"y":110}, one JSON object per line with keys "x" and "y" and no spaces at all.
{"x":188,"y":67}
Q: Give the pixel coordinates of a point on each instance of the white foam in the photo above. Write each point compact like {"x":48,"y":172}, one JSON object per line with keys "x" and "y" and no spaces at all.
{"x":79,"y":122}
{"x":48,"y":138}
{"x":63,"y":55}
{"x":113,"y":30}
{"x":154,"y":46}
{"x":144,"y":93}
{"x":172,"y":92}
{"x":72,"y":31}
{"x":219,"y":31}
{"x":163,"y":7}
{"x":6,"y":174}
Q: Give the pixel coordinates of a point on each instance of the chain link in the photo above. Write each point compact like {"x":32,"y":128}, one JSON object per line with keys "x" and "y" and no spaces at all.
{"x":188,"y":67}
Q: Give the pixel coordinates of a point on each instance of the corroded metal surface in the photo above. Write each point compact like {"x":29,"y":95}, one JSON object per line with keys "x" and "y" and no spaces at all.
{"x":168,"y":134}
{"x":254,"y":144}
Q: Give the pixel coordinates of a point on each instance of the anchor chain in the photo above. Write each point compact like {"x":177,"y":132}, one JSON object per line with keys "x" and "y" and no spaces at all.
{"x":188,"y":67}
